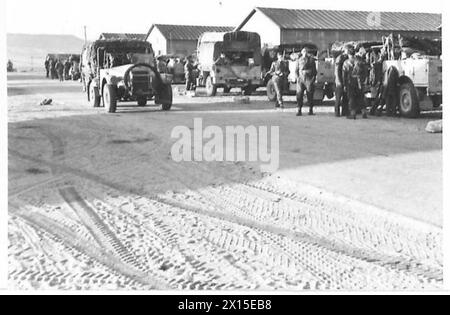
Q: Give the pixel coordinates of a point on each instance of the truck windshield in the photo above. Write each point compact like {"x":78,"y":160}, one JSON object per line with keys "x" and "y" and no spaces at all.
{"x":141,"y":58}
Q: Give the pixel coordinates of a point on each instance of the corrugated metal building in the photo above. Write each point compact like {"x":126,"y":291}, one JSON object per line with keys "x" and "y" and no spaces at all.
{"x":323,"y":27}
{"x":106,"y":36}
{"x":179,"y":39}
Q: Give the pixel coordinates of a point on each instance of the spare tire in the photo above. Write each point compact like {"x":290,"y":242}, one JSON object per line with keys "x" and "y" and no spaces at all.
{"x":271,"y":92}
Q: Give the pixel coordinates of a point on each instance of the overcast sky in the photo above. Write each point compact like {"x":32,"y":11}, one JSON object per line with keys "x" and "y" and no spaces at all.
{"x":136,"y":16}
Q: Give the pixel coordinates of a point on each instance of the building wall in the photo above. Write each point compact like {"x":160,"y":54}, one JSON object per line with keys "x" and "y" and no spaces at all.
{"x":270,"y":32}
{"x":323,"y":39}
{"x":158,"y":42}
{"x":183,"y":47}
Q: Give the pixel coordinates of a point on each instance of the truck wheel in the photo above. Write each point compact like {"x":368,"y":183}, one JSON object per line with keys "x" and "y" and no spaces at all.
{"x":271,"y":94}
{"x":110,"y":98}
{"x":409,"y":101}
{"x":166,"y":97}
{"x":142,"y":101}
{"x":211,"y":88}
{"x":94,"y":96}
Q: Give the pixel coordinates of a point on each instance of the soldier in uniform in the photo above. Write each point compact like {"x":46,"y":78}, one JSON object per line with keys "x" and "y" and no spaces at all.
{"x":60,"y":70}
{"x":355,"y":75}
{"x":279,"y":71}
{"x":161,"y":65}
{"x":341,"y":97}
{"x":306,"y":72}
{"x":67,"y":66}
{"x":47,"y":66}
{"x":189,"y":69}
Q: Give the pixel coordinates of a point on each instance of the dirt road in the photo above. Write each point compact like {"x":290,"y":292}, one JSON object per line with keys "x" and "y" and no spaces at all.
{"x":96,"y":201}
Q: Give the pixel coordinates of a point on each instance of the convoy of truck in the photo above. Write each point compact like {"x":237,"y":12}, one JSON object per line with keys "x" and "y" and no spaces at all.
{"x":125,"y":70}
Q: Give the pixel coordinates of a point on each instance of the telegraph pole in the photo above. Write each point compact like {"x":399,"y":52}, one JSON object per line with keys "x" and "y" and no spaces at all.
{"x":85,"y":35}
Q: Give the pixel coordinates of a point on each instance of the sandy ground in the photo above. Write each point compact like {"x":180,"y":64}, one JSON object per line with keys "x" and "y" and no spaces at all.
{"x":97,"y":202}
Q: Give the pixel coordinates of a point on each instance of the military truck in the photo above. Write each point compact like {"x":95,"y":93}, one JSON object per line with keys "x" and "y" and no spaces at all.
{"x":123,"y":70}
{"x":325,"y":82}
{"x":240,"y":67}
{"x":412,"y":75}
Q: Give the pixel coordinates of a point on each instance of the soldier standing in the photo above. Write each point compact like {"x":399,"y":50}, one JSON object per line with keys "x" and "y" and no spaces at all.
{"x":279,"y":71}
{"x":53,"y":69}
{"x":189,"y":74}
{"x":306,"y":72}
{"x":47,"y":66}
{"x":341,"y":97}
{"x":67,"y":66}
{"x":355,"y":75}
{"x":60,"y":70}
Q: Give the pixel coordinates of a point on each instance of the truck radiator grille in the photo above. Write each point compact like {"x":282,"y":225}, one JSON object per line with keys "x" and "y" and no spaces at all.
{"x":141,"y":82}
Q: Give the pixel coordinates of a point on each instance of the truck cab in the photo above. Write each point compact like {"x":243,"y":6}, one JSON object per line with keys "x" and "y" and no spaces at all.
{"x":229,"y":60}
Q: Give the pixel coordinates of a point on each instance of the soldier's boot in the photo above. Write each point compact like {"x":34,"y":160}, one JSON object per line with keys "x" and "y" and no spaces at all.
{"x":337,"y":111}
{"x":311,"y":111}
{"x":364,"y":114}
{"x":299,"y":112}
{"x":352,"y":115}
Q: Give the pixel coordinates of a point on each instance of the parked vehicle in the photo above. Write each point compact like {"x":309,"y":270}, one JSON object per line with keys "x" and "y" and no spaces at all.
{"x":229,"y":60}
{"x":123,"y":70}
{"x":412,"y":77}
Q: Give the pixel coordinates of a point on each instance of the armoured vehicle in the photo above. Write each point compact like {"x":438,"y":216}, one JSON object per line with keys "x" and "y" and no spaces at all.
{"x":229,"y":60}
{"x":325,"y":85}
{"x":123,"y":70}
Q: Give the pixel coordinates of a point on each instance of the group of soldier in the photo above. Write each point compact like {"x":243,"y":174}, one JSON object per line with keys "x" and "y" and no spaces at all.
{"x":174,"y":66}
{"x":57,"y":68}
{"x":351,"y":74}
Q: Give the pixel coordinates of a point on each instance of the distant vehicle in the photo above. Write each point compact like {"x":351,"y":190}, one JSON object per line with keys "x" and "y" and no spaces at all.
{"x":325,"y":82}
{"x":123,"y":70}
{"x":240,"y":66}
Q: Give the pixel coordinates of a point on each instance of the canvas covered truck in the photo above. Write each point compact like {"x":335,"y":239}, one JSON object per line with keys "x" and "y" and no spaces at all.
{"x":325,"y":82}
{"x":239,"y":67}
{"x":123,"y":70}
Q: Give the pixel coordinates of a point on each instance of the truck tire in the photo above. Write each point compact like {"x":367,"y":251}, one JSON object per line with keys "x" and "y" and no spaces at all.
{"x":271,"y":94}
{"x":166,"y":97}
{"x":94,"y":95}
{"x":211,"y":88}
{"x":142,"y":101}
{"x":110,"y":98}
{"x":409,"y":101}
